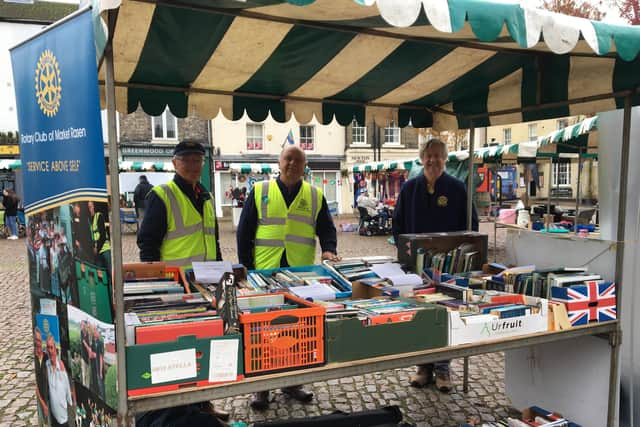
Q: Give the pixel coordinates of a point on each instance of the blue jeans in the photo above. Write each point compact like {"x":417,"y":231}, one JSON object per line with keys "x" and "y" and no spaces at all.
{"x":11,"y":223}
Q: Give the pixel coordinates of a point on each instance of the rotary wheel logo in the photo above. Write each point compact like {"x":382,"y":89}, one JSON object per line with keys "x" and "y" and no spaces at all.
{"x":48,"y":83}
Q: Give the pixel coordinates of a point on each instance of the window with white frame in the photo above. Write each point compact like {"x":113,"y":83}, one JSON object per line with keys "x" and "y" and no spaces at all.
{"x":562,"y":123}
{"x":255,"y":137}
{"x":561,"y":174}
{"x":165,"y":126}
{"x":358,"y":134}
{"x":307,"y":137}
{"x":392,"y":134}
{"x":506,"y":136}
{"x":533,"y":132}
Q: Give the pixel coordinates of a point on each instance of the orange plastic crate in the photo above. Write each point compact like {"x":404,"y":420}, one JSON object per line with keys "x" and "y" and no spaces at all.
{"x":285,"y":339}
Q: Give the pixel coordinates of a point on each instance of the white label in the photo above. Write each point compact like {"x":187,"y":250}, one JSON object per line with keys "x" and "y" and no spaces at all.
{"x":223,"y":360}
{"x":173,"y":366}
{"x":48,"y":306}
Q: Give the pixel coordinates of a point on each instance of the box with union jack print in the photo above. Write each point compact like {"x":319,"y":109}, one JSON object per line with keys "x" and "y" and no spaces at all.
{"x":591,"y":302}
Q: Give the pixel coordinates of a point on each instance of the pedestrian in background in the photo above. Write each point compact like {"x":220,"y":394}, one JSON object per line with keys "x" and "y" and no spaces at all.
{"x":139,"y":196}
{"x":10,"y":202}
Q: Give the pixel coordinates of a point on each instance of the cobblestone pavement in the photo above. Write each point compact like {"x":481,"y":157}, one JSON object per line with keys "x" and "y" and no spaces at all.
{"x":426,"y":407}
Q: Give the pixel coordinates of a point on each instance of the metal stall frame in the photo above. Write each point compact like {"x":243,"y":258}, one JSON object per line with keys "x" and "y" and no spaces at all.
{"x":127,"y":407}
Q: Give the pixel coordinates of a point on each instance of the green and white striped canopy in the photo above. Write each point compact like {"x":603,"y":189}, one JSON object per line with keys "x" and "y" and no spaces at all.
{"x":263,"y":168}
{"x":387,"y":165}
{"x":10,"y":164}
{"x":146,"y":166}
{"x":570,"y":134}
{"x":431,"y":63}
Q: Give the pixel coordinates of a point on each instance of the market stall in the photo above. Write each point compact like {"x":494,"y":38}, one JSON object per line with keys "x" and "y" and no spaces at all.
{"x":433,"y":64}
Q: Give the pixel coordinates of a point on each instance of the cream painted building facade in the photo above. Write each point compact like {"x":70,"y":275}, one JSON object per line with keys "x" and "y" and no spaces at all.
{"x":246,"y":152}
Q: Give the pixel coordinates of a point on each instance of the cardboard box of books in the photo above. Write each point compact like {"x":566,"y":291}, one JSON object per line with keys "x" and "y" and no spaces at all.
{"x":452,"y":252}
{"x":311,"y":281}
{"x":184,"y":362}
{"x":499,"y":321}
{"x":594,"y":301}
{"x":393,"y":326}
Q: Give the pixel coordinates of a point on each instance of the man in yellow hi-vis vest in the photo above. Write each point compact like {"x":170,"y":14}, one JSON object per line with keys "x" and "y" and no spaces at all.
{"x":278,"y":228}
{"x":180,"y":224}
{"x":179,"y":227}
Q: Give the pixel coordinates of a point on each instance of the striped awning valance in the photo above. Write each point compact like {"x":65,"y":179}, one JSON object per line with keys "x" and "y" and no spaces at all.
{"x":146,"y":166}
{"x":570,"y":134}
{"x":429,"y":63}
{"x":387,"y":165}
{"x":10,"y":164}
{"x":263,"y":168}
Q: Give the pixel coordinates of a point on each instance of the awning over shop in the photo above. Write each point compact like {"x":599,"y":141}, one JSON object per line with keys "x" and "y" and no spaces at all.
{"x":432,"y":64}
{"x":387,"y":165}
{"x":570,"y":134}
{"x":10,"y":164}
{"x":264,"y":168}
{"x":146,"y":166}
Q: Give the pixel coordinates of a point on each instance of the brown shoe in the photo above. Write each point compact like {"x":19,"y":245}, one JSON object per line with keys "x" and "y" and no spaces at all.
{"x":423,"y":377}
{"x":443,"y":382}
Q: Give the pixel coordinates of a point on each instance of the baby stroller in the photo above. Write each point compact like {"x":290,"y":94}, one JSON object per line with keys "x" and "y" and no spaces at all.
{"x":379,"y":224}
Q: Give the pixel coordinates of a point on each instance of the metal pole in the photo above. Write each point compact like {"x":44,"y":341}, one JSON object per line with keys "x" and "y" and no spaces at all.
{"x":470,"y":191}
{"x":547,"y":220}
{"x":620,"y":246}
{"x":470,"y":188}
{"x":575,"y":220}
{"x":116,"y":235}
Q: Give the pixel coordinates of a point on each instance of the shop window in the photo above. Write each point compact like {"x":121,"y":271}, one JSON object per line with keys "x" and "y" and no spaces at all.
{"x":227,"y":182}
{"x":562,"y":123}
{"x":255,"y":137}
{"x":561,"y":174}
{"x":506,"y":136}
{"x":165,"y":126}
{"x":328,"y":182}
{"x":307,"y":137}
{"x":392,"y":134}
{"x":533,"y":132}
{"x":358,"y":134}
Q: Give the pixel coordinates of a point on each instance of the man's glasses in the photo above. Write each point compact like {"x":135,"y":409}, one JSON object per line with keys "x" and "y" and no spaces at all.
{"x":191,"y":160}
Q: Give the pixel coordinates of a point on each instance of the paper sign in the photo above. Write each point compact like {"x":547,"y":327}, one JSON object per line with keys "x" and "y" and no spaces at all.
{"x":223,"y":360}
{"x":48,"y":306}
{"x":211,"y":271}
{"x":173,"y":366}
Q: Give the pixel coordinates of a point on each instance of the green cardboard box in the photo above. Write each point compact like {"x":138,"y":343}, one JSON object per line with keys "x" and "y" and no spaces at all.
{"x":186,"y":354}
{"x":350,"y":339}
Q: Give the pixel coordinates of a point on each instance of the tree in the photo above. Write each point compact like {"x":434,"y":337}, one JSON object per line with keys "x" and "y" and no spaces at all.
{"x":580,"y":9}
{"x":629,"y":10}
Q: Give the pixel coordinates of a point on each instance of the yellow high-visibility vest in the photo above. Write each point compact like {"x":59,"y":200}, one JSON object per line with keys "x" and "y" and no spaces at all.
{"x":190,"y":236}
{"x":281,"y":228}
{"x":106,"y":246}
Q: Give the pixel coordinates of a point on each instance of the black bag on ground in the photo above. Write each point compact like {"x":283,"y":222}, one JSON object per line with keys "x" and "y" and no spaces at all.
{"x":389,"y":416}
{"x":178,"y":416}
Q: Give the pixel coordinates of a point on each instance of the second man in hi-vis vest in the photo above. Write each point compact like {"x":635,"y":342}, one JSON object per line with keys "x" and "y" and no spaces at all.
{"x":278,"y":228}
{"x":179,"y":227}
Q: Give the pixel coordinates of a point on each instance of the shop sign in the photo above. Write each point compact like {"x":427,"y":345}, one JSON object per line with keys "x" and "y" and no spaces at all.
{"x":132,"y":150}
{"x":220,"y":165}
{"x":361,"y":159}
{"x":10,"y":149}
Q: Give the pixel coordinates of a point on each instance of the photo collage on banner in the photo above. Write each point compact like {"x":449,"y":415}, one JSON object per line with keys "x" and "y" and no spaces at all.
{"x":67,"y":224}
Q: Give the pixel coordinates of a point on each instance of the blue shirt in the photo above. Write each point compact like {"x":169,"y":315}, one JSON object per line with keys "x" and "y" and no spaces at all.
{"x":248,"y":226}
{"x":417,"y":211}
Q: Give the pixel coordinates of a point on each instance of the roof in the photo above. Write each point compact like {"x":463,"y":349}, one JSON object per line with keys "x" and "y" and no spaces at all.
{"x":430,"y":64}
{"x":38,"y":12}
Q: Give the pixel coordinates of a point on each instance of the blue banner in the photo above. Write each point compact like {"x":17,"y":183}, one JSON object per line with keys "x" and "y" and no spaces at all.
{"x":61,"y":148}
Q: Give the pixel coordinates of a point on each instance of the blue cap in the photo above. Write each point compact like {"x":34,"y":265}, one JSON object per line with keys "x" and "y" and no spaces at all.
{"x":188,"y":147}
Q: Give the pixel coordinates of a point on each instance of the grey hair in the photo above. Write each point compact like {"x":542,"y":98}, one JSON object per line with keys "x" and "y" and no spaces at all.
{"x":434,"y":142}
